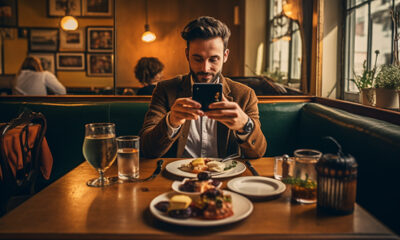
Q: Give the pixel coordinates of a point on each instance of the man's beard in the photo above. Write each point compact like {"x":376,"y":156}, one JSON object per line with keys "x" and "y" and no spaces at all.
{"x":197,"y":76}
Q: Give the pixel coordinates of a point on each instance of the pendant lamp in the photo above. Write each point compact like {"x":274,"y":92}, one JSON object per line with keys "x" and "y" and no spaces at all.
{"x":147,"y":36}
{"x":68,"y":22}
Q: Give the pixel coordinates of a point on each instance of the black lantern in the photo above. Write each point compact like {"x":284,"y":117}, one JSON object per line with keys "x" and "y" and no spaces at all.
{"x":336,"y":182}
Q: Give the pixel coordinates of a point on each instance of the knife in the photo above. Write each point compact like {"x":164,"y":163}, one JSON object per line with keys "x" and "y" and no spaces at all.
{"x":251,"y":168}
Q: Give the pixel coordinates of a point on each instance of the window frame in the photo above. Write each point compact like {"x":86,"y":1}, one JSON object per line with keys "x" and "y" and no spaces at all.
{"x":349,"y":32}
{"x":294,"y":29}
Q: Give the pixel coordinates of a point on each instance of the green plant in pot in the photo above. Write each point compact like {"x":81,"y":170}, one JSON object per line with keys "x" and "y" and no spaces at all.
{"x":387,"y":82}
{"x":365,"y":81}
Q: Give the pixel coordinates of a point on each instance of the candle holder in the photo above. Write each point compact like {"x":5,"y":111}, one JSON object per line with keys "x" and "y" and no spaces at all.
{"x":336,"y":182}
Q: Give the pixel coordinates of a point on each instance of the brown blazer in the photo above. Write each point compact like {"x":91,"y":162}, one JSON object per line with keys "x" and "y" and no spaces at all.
{"x":156,"y":143}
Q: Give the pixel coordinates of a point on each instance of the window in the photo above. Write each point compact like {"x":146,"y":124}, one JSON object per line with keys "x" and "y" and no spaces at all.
{"x":284,"y":48}
{"x":369,"y":28}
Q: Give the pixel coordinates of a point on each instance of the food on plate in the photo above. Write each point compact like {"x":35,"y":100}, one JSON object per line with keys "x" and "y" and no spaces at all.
{"x":177,"y":207}
{"x":199,"y":185}
{"x":215,"y":166}
{"x":204,"y":164}
{"x":213,"y":204}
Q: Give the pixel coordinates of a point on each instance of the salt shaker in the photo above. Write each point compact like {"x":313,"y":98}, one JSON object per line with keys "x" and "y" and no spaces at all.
{"x":336,"y":182}
{"x":285,"y":166}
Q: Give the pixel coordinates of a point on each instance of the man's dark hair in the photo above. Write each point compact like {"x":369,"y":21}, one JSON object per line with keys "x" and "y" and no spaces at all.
{"x":147,"y":68}
{"x":206,"y":28}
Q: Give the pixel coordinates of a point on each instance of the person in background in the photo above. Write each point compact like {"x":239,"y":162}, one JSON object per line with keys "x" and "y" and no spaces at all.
{"x":33,"y":80}
{"x":148,"y":71}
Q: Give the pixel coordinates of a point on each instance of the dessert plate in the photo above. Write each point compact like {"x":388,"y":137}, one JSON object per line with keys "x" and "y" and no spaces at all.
{"x":256,"y":186}
{"x":242,"y":208}
{"x":174,"y":168}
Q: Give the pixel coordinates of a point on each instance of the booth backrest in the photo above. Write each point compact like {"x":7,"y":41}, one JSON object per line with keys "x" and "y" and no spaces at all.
{"x":374,"y":144}
{"x":66,"y":121}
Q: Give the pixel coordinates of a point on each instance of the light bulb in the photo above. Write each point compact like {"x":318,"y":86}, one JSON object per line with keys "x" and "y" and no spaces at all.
{"x":148,"y":36}
{"x":69,"y":23}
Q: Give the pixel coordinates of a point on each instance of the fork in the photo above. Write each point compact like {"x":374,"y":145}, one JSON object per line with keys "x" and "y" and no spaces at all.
{"x":230,"y":157}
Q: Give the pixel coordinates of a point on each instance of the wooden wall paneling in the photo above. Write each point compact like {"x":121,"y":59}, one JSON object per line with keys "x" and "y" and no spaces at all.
{"x":167,"y":19}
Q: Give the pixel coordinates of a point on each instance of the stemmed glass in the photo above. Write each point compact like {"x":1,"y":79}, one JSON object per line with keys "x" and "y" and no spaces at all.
{"x":100,"y":150}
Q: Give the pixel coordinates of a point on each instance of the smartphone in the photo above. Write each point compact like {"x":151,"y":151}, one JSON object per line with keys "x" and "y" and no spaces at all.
{"x":207,"y":93}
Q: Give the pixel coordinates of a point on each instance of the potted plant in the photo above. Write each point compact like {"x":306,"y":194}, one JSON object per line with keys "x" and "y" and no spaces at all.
{"x":364,"y":83}
{"x":386,"y":83}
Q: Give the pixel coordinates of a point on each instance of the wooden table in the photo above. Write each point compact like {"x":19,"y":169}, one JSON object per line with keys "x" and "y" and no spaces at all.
{"x":68,"y":209}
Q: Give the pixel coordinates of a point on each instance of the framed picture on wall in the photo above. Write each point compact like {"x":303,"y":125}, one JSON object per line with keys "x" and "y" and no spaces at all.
{"x":100,"y":39}
{"x":100,"y":65}
{"x":72,"y":41}
{"x":8,"y":13}
{"x":97,"y":8}
{"x":57,"y":8}
{"x":42,"y":39}
{"x":70,"y":61}
{"x":47,"y":60}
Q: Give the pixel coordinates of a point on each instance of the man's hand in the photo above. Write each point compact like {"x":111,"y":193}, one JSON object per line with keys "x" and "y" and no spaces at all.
{"x":228,"y":113}
{"x":184,"y":109}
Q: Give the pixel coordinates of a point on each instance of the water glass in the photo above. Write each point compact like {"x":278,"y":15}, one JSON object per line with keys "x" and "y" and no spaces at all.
{"x":128,"y":157}
{"x":304,"y":183}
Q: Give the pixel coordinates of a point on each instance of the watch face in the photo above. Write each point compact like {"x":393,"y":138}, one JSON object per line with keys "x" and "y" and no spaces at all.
{"x":248,"y":127}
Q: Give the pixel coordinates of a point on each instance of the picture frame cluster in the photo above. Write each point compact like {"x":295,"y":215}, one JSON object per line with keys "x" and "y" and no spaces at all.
{"x":89,"y":49}
{"x":81,"y":8}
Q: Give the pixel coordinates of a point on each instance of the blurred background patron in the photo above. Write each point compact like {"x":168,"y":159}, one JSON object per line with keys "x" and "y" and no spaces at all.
{"x":148,"y":71}
{"x":33,"y":80}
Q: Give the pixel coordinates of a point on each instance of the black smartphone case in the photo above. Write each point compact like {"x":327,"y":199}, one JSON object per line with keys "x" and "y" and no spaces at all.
{"x":207,"y":93}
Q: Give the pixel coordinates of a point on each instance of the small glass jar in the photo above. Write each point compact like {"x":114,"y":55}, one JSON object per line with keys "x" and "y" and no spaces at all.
{"x":304,"y":181}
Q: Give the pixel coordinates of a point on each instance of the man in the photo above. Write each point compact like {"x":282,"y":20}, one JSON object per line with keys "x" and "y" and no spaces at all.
{"x":175,"y":125}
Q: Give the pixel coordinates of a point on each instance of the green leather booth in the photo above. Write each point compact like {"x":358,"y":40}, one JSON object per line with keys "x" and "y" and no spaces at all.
{"x":287,"y":126}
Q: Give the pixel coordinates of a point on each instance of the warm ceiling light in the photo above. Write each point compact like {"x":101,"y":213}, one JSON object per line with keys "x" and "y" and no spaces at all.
{"x":69,"y":23}
{"x":147,"y":36}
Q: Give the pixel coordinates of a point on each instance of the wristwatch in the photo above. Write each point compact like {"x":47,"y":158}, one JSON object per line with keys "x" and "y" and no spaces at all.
{"x":248,"y":127}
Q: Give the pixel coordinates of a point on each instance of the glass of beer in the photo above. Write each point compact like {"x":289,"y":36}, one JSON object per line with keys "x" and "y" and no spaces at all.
{"x":100,"y":150}
{"x":128,"y":157}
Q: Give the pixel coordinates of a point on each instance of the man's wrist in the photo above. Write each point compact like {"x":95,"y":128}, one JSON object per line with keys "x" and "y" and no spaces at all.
{"x":169,"y":124}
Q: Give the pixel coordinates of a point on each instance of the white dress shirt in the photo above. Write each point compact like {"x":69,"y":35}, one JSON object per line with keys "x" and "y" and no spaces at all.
{"x":36,"y":83}
{"x":202,"y":138}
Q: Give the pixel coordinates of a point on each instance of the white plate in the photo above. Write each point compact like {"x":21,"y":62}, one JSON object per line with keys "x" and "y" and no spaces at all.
{"x":242,"y":208}
{"x":175,"y":186}
{"x":173,"y":167}
{"x":257,"y":186}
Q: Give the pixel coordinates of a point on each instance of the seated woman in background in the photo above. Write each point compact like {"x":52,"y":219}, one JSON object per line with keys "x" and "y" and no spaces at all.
{"x":33,"y":80}
{"x":148,"y":71}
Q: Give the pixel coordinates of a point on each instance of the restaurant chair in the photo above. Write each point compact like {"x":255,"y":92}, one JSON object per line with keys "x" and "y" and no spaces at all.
{"x":20,"y":142}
